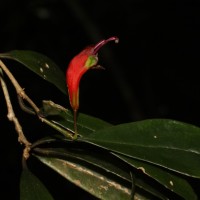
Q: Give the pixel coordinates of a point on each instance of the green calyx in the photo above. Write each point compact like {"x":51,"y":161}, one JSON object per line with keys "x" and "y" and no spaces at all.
{"x":91,"y":61}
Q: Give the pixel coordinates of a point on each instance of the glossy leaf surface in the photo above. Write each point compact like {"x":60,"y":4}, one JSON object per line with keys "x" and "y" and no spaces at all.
{"x":167,"y":143}
{"x":41,"y":65}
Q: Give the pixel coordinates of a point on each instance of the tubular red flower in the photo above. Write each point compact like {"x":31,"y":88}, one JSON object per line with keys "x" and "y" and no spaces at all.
{"x":82,"y":62}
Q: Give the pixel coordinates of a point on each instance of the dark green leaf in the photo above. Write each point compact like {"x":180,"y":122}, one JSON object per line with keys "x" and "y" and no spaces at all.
{"x":31,"y":188}
{"x":142,"y":184}
{"x":98,"y":160}
{"x":101,"y":160}
{"x":64,"y":118}
{"x":167,"y":143}
{"x":41,"y":65}
{"x":171,"y":181}
{"x":87,"y":179}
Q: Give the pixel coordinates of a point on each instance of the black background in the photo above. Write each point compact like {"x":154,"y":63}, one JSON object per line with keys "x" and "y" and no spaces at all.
{"x":152,"y":73}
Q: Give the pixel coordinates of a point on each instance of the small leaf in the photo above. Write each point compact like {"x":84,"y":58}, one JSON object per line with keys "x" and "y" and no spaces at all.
{"x":41,"y":65}
{"x":31,"y":188}
{"x":168,"y":179}
{"x":167,"y":143}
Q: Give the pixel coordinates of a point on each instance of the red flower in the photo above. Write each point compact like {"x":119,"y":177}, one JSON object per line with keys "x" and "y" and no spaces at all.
{"x":82,"y":62}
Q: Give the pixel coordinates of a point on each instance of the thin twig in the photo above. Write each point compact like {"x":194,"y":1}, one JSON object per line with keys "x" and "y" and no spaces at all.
{"x":11,"y":117}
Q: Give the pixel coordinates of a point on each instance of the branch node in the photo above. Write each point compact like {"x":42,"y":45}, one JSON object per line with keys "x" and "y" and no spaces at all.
{"x":26,"y":152}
